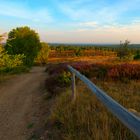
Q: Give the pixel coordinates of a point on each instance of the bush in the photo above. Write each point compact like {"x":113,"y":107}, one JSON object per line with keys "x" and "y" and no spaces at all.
{"x":59,"y":78}
{"x":11,"y":61}
{"x":137,"y":56}
{"x":106,"y":71}
{"x":64,"y":79}
{"x":124,"y":71}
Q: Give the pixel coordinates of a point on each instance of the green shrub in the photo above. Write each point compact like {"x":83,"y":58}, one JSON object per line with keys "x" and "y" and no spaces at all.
{"x":64,"y":78}
{"x":137,"y":56}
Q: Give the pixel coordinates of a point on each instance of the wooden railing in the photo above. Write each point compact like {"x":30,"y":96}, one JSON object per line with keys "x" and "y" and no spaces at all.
{"x":127,"y":118}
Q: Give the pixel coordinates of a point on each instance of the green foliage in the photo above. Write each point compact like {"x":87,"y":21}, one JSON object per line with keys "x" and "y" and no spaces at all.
{"x":42,"y":57}
{"x":10,"y":63}
{"x":124,"y":52}
{"x":25,"y":41}
{"x":65,"y":78}
{"x":137,"y":56}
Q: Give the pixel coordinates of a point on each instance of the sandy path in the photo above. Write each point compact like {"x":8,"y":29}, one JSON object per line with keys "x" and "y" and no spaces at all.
{"x":18,"y":101}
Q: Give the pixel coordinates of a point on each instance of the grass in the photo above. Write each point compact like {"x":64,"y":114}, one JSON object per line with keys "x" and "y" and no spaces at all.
{"x":88,"y":119}
{"x":81,"y":58}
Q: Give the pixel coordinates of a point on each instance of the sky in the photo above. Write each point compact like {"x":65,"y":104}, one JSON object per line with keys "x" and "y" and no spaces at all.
{"x":74,"y":21}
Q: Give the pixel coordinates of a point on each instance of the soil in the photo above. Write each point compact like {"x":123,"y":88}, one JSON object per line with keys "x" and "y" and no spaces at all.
{"x":20,"y":105}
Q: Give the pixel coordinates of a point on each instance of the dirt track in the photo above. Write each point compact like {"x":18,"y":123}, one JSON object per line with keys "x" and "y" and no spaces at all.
{"x":18,"y":103}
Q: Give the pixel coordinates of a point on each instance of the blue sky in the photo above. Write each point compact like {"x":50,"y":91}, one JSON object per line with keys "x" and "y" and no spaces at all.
{"x":74,"y":21}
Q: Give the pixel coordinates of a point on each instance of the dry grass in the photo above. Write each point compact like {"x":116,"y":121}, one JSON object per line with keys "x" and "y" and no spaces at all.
{"x":81,"y":58}
{"x":86,"y":55}
{"x":88,"y":119}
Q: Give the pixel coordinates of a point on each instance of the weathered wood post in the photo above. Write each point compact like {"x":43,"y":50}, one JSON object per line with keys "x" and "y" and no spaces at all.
{"x":73,"y":87}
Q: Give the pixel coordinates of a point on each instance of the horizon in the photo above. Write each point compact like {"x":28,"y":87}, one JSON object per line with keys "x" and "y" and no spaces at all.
{"x":75,"y":21}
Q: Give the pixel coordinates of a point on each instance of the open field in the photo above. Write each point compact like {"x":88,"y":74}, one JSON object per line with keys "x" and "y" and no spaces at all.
{"x":87,"y":118}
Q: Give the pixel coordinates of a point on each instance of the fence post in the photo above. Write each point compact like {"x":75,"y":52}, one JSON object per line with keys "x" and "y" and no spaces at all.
{"x":73,"y":87}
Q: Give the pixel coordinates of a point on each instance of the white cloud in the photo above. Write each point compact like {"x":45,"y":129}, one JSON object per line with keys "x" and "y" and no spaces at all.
{"x":88,"y":24}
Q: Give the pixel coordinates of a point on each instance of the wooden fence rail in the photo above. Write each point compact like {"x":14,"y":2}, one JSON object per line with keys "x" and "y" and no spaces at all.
{"x":127,"y":118}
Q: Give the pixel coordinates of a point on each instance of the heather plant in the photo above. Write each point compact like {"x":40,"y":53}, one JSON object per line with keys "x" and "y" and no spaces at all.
{"x":122,"y":71}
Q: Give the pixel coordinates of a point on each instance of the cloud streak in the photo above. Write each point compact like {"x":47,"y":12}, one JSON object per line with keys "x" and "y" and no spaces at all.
{"x":104,"y":34}
{"x":21,"y":12}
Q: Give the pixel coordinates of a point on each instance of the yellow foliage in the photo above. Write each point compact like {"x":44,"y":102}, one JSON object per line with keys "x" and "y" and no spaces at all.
{"x":9,"y":61}
{"x":42,"y":57}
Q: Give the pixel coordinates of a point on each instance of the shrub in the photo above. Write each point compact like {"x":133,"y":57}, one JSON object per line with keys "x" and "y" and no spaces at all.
{"x":137,"y":56}
{"x":107,"y":71}
{"x":11,"y":61}
{"x":59,"y":78}
{"x":64,"y":79}
{"x":123,"y":71}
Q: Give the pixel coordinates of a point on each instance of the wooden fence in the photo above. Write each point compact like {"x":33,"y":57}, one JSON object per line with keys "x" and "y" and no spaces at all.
{"x":127,"y":118}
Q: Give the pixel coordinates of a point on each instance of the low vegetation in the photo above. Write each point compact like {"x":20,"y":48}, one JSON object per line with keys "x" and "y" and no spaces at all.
{"x":87,"y":118}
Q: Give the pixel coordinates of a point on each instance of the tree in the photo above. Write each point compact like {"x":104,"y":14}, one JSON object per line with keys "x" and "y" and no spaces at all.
{"x":23,"y":40}
{"x":124,"y":51}
{"x":42,"y":57}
